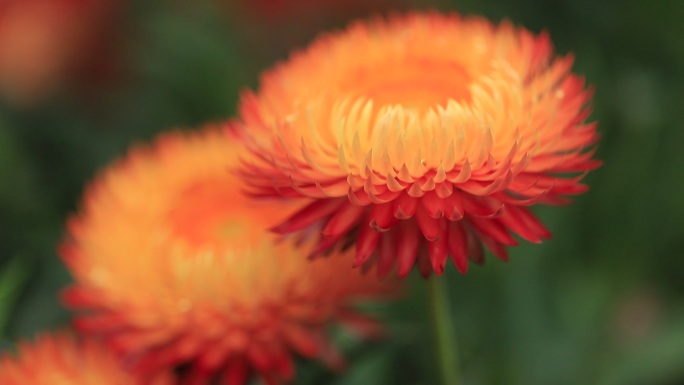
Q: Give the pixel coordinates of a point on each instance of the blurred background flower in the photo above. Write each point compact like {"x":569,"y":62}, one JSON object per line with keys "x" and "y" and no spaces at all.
{"x":176,"y":270}
{"x":602,"y":302}
{"x":47,"y":44}
{"x":60,"y":358}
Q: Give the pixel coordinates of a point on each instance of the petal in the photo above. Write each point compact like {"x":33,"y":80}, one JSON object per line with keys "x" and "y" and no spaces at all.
{"x":366,"y":243}
{"x":458,"y":246}
{"x":343,"y":220}
{"x":408,"y":241}
{"x":309,"y":215}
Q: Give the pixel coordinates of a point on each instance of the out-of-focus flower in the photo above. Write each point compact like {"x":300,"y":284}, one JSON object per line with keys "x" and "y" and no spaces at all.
{"x":44,"y":43}
{"x":420,"y":137}
{"x":60,"y":359}
{"x":175,"y":268}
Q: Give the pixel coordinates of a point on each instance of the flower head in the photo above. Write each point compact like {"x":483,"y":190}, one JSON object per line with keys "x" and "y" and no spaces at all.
{"x":60,"y":359}
{"x":175,"y":268}
{"x":420,"y":137}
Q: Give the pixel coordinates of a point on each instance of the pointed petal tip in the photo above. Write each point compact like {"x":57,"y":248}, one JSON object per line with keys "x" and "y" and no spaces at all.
{"x":360,"y":259}
{"x":462,"y":268}
{"x":280,"y":229}
{"x":403,"y":272}
{"x":461,"y":263}
{"x":377,"y":227}
{"x":399,"y":214}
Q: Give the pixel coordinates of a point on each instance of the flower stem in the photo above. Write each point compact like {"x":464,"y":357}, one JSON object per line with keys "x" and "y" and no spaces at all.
{"x":445,"y":340}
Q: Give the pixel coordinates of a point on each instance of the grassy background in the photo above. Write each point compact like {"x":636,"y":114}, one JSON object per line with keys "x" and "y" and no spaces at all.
{"x":600,"y":303}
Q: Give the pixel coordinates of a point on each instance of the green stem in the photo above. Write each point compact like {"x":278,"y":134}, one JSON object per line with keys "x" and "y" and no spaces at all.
{"x":444,"y":332}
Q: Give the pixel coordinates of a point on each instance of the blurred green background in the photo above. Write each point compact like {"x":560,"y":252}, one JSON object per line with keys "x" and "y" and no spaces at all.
{"x":600,"y":303}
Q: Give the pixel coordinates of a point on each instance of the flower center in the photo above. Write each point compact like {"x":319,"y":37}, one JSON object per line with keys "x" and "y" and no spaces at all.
{"x":419,"y":84}
{"x":206,"y":213}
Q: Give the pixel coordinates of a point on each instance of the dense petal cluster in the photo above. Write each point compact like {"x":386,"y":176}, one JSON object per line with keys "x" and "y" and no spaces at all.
{"x":62,"y":360}
{"x":420,"y":137}
{"x":175,"y":268}
{"x":42,"y":42}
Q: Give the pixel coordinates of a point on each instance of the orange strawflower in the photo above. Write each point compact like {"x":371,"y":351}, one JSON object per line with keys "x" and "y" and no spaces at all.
{"x":420,"y":137}
{"x":175,"y":268}
{"x":60,"y":359}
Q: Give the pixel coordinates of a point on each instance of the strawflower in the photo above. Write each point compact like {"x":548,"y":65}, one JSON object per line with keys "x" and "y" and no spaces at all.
{"x":175,"y":268}
{"x":420,"y":137}
{"x":61,"y":359}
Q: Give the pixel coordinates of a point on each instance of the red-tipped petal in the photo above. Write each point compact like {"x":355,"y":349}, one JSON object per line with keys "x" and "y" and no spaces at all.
{"x":366,"y":243}
{"x":282,"y":363}
{"x":498,"y":249}
{"x":259,"y":358}
{"x":484,"y":207}
{"x":494,"y":229}
{"x":433,"y":204}
{"x":438,"y":249}
{"x":525,"y":222}
{"x":324,"y":244}
{"x":407,"y":247}
{"x":458,"y":246}
{"x":382,"y":216}
{"x":154,"y":362}
{"x":343,"y":220}
{"x":77,"y":297}
{"x":309,"y":215}
{"x":475,"y":251}
{"x":195,"y":377}
{"x":405,"y":206}
{"x":236,"y":373}
{"x":428,"y":226}
{"x":387,"y":253}
{"x":453,"y":207}
{"x":365,"y":326}
{"x":101,"y":322}
{"x":424,"y":264}
{"x":209,"y":362}
{"x":268,"y":379}
{"x":303,"y":342}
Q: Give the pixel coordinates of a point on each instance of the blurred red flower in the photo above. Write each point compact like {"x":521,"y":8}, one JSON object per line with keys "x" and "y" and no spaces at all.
{"x":62,"y":359}
{"x":46,"y":43}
